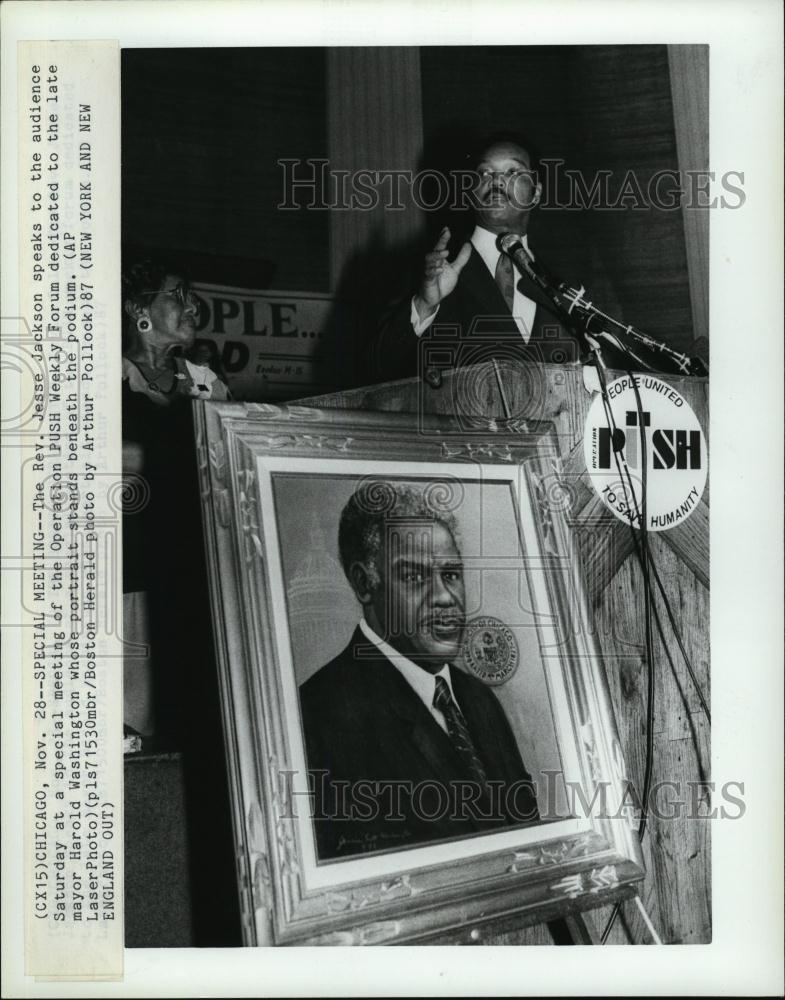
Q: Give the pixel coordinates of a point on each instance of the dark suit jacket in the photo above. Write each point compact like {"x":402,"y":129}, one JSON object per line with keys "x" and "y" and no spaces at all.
{"x":473,"y":324}
{"x":364,"y":723}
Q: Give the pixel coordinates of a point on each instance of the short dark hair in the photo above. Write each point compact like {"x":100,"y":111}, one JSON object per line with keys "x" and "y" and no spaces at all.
{"x":377,"y":502}
{"x":142,"y":280}
{"x":503,"y":136}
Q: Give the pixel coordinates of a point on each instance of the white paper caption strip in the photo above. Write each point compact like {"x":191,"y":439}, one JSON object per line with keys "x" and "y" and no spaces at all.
{"x":69,"y":441}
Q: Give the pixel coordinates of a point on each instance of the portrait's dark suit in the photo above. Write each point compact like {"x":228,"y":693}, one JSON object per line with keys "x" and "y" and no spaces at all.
{"x":483,"y":324}
{"x":364,"y":723}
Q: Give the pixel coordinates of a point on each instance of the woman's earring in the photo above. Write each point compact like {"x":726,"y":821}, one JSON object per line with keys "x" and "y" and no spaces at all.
{"x":143,"y":325}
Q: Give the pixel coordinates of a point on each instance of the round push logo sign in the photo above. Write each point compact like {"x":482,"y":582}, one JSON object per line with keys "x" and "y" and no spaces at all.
{"x":676,"y":457}
{"x":490,"y":650}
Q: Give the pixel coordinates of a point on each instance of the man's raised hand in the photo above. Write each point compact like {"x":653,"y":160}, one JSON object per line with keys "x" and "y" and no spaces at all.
{"x":439,"y":275}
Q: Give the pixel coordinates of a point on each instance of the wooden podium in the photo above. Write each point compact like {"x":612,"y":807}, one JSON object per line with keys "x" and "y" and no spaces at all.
{"x":677,"y":890}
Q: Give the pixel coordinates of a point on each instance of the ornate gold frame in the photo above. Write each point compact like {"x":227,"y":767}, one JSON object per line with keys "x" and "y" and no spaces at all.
{"x":559,"y":869}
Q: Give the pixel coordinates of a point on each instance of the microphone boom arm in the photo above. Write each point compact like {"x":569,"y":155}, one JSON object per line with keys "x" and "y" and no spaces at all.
{"x":580,"y":313}
{"x":575,"y":296}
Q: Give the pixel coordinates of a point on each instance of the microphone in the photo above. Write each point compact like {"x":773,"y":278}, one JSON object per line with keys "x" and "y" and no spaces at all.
{"x":512,"y":245}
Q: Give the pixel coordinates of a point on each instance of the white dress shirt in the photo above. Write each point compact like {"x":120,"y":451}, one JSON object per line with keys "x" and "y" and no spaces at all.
{"x":420,"y":681}
{"x":523,"y":308}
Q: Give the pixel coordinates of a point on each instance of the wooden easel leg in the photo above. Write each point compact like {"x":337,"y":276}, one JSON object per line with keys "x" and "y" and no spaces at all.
{"x":583,"y":929}
{"x":577,"y":929}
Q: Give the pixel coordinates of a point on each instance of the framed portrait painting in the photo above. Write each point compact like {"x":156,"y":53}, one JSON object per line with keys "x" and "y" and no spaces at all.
{"x":418,"y":729}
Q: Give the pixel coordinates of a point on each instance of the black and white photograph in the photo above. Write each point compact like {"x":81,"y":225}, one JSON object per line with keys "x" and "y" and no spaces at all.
{"x":390,"y":527}
{"x":375,"y":249}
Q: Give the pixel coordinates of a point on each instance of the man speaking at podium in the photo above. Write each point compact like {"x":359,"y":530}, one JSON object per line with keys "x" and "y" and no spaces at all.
{"x":403,"y":747}
{"x":478,"y":291}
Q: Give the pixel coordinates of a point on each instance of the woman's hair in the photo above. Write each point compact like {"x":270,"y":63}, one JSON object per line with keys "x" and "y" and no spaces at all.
{"x":142,"y":280}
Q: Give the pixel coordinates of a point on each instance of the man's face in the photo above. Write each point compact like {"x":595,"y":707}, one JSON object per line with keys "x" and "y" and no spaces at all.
{"x":506,"y":191}
{"x":419,"y":607}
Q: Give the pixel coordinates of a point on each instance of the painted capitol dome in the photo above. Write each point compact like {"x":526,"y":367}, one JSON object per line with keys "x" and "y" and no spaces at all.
{"x":311,"y":589}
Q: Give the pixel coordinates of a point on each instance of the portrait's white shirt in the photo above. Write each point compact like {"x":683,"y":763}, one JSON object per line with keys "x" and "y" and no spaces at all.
{"x":523,"y":308}
{"x":420,"y":681}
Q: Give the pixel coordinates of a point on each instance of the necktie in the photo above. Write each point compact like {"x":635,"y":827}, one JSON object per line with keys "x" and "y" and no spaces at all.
{"x":457,"y":731}
{"x":505,"y":278}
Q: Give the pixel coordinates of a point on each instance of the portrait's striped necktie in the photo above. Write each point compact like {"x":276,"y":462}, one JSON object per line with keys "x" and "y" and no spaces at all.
{"x":457,"y":731}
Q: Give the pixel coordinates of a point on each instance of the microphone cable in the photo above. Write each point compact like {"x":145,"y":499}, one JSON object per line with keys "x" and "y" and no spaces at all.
{"x":652,"y":566}
{"x":641,"y":548}
{"x":538,"y":272}
{"x":554,"y":287}
{"x":643,"y":555}
{"x":649,"y":569}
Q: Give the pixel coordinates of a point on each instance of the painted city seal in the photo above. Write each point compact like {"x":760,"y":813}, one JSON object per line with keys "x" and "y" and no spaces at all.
{"x":490,"y":650}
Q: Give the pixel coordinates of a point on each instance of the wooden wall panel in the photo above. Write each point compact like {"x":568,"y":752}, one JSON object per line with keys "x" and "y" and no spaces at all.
{"x":689,"y":71}
{"x":373,"y":126}
{"x":677,"y":888}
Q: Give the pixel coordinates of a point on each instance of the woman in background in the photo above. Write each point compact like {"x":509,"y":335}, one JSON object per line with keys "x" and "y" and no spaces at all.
{"x":163,"y":565}
{"x":171,"y":697}
{"x":162,"y":311}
